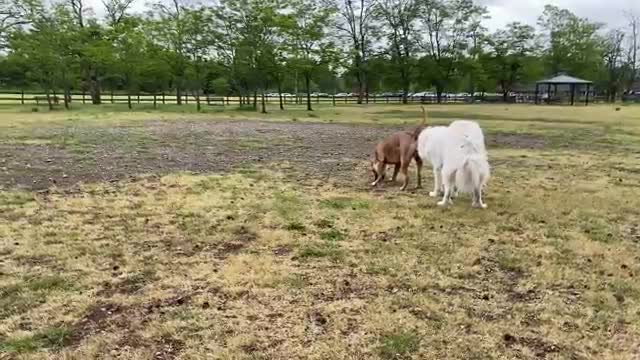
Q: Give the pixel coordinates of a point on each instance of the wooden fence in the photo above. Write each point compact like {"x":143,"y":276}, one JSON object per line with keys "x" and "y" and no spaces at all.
{"x":32,"y":98}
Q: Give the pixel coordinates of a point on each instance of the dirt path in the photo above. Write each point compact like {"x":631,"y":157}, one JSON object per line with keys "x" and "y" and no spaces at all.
{"x":89,"y":154}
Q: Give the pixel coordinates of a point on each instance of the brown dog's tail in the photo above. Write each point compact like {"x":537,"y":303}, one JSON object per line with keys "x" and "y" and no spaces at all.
{"x":423,"y":124}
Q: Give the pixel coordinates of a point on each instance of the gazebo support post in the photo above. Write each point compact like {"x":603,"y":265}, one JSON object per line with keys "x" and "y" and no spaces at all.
{"x":573,"y":93}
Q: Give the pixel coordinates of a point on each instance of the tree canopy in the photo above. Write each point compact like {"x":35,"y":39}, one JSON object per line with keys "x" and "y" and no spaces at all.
{"x":251,"y":47}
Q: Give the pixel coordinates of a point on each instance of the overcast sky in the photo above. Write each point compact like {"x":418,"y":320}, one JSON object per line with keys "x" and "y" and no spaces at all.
{"x":610,"y":12}
{"x":502,"y":12}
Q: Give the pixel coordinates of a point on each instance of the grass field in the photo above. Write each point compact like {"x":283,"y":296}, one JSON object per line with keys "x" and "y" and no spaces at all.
{"x":236,"y":235}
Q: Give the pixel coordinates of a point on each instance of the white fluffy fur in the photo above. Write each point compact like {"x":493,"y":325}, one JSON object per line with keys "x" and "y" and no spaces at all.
{"x":458,"y":155}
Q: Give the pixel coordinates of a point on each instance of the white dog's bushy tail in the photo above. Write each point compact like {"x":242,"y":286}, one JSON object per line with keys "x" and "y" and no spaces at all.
{"x":475,"y":171}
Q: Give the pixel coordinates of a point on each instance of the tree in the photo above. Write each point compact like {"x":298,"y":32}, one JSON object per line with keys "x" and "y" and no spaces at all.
{"x":130,"y":45}
{"x":573,"y":44}
{"x":250,"y":39}
{"x":399,"y":20}
{"x":116,"y":10}
{"x":310,"y":46}
{"x":167,"y":25}
{"x":198,"y":42}
{"x":16,"y":14}
{"x":49,"y":49}
{"x":633,"y":47}
{"x":613,"y":58}
{"x":511,"y":48}
{"x":448,"y":24}
{"x":356,"y":20}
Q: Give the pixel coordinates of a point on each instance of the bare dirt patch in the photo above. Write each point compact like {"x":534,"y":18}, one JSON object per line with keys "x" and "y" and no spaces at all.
{"x":315,"y":151}
{"x":516,"y":141}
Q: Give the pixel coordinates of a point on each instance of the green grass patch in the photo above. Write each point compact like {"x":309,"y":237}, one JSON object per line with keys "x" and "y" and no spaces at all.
{"x":342,"y":203}
{"x":399,"y":345}
{"x":15,"y":198}
{"x":332,"y":235}
{"x":295,"y":226}
{"x":288,"y":205}
{"x":50,"y":339}
{"x":326,"y":250}
{"x":29,"y":293}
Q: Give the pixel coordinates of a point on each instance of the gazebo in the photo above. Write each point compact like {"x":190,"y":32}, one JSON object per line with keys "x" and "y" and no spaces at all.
{"x":564,"y":80}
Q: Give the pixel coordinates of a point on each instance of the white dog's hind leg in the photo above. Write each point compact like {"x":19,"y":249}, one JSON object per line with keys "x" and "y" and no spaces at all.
{"x":477,"y":199}
{"x":448,"y":187}
{"x":437,"y":184}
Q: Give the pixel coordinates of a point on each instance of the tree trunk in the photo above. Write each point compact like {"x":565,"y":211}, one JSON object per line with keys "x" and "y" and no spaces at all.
{"x":307,"y":81}
{"x":49,"y":100}
{"x":94,"y":86}
{"x":439,"y":91}
{"x":360,"y":86}
{"x":197,"y":95}
{"x":505,"y":95}
{"x":255,"y":99}
{"x":129,"y":101}
{"x":67,"y":97}
{"x":178,"y":95}
{"x":264,"y":103}
{"x":405,"y":88}
{"x":280,"y":95}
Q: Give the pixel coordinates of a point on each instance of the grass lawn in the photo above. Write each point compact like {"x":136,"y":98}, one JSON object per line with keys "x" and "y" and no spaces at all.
{"x":170,"y":234}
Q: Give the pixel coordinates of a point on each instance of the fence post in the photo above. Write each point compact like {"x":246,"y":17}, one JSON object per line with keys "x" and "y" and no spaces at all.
{"x":112,"y":96}
{"x":334,"y":99}
{"x":154,"y":101}
{"x":208,"y":100}
{"x":83,"y":98}
{"x":22,"y":97}
{"x":186,"y":99}
{"x":138,"y":98}
{"x":163,"y":98}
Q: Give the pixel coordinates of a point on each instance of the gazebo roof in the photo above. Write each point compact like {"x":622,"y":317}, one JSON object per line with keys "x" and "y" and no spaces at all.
{"x":564,"y":79}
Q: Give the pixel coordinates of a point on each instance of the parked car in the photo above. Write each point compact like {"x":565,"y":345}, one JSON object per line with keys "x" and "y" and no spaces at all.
{"x":341,"y":94}
{"x":423,"y":94}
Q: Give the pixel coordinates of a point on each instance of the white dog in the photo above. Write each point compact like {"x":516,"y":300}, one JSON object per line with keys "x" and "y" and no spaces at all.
{"x":458,"y":156}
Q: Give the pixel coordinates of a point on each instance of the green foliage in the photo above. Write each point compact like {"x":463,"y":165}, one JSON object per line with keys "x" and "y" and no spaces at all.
{"x":250,"y":47}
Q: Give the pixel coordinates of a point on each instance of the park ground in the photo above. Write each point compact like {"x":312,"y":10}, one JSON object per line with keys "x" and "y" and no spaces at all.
{"x":168,"y":234}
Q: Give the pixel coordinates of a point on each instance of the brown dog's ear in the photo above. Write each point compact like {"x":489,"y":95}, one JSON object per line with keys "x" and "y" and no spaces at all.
{"x":424,"y":116}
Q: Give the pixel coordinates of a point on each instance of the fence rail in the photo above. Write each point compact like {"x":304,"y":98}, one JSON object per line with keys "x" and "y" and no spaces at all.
{"x":33,"y":98}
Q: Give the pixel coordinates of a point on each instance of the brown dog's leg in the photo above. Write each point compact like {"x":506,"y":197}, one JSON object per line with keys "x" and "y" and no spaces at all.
{"x":404,"y":168}
{"x":380,"y":169}
{"x":396,"y":169}
{"x":419,"y":166}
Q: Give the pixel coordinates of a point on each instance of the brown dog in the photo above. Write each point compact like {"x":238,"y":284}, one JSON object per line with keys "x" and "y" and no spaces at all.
{"x":398,"y":149}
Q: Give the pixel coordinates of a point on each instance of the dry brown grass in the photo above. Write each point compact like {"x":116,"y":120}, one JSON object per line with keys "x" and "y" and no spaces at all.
{"x":251,"y":265}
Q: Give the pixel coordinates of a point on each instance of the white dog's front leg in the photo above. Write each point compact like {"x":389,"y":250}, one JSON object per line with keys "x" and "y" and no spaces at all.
{"x":437,"y":184}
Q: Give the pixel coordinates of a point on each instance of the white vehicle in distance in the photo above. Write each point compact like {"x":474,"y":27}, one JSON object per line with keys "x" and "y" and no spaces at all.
{"x":341,"y":95}
{"x":423,"y":94}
